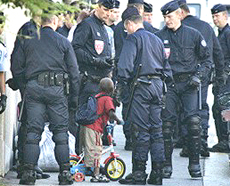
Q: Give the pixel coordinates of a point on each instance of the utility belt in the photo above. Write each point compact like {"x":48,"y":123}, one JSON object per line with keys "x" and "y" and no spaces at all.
{"x":52,"y":78}
{"x":146,"y":79}
{"x":182,"y":77}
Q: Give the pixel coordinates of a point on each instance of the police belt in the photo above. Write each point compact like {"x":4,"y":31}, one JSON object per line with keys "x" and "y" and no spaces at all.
{"x":145,"y":79}
{"x":51,"y":78}
{"x":182,"y":77}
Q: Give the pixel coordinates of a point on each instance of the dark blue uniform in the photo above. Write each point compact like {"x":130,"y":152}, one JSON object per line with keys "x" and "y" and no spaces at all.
{"x":221,"y":127}
{"x":25,"y":32}
{"x":119,"y":37}
{"x":64,"y":30}
{"x":43,"y":61}
{"x":186,"y":48}
{"x":217,"y":60}
{"x":143,"y":47}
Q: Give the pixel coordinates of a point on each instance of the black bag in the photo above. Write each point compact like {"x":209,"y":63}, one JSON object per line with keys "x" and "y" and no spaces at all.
{"x":87,"y":113}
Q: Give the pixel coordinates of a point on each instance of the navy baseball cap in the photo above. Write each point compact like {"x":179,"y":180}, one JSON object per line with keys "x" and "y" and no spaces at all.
{"x":181,"y":2}
{"x":148,"y":7}
{"x":129,"y":12}
{"x":218,"y":8}
{"x":117,"y":4}
{"x":169,"y":7}
{"x":136,"y":1}
{"x":110,"y":4}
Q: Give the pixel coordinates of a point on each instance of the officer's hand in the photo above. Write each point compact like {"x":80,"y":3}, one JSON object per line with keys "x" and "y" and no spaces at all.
{"x":3,"y":103}
{"x":110,"y":61}
{"x":194,"y":81}
{"x":12,"y":84}
{"x":73,"y":104}
{"x":101,"y":62}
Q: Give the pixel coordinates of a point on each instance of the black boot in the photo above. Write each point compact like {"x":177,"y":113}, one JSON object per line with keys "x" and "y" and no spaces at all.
{"x":28,"y":176}
{"x":138,"y":177}
{"x":155,"y":177}
{"x":204,"y":143}
{"x":194,"y":170}
{"x":65,"y":177}
{"x":129,"y":177}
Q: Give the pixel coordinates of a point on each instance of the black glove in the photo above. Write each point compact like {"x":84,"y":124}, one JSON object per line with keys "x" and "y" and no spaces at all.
{"x":194,"y":81}
{"x":12,"y":83}
{"x":73,"y":104}
{"x":3,"y":103}
{"x":101,"y":62}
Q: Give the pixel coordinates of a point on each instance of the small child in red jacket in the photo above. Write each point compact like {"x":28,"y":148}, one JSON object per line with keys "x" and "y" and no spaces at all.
{"x":91,"y":134}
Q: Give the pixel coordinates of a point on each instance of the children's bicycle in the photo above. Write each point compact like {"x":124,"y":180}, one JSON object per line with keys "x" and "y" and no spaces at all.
{"x":114,"y":167}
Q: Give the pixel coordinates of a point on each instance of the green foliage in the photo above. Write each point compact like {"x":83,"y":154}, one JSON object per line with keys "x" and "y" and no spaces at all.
{"x":35,"y":7}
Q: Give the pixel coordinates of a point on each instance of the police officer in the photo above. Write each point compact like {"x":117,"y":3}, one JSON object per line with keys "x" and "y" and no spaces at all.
{"x":143,"y":48}
{"x":220,"y":19}
{"x":27,"y":31}
{"x":148,"y":13}
{"x":185,"y":48}
{"x":45,"y":62}
{"x":114,"y":16}
{"x":93,"y":51}
{"x":3,"y":67}
{"x":119,"y":36}
{"x":217,"y":59}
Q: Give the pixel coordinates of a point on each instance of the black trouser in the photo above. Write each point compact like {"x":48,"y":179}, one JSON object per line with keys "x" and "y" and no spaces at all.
{"x":52,"y":103}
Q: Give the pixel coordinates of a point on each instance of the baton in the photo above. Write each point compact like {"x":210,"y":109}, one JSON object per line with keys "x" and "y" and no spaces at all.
{"x":132,"y":91}
{"x":200,"y":99}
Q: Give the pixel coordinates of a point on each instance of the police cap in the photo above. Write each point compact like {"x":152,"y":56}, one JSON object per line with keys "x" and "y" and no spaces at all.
{"x":181,"y":2}
{"x":148,"y":7}
{"x":218,"y":8}
{"x":117,"y":4}
{"x":129,"y":12}
{"x":169,"y":7}
{"x":136,"y":1}
{"x":110,"y":4}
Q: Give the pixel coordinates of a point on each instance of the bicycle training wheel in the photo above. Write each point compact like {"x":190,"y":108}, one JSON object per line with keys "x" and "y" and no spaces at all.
{"x":115,"y":170}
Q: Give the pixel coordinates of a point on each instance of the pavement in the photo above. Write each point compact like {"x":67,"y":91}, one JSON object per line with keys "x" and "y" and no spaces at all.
{"x":215,"y":169}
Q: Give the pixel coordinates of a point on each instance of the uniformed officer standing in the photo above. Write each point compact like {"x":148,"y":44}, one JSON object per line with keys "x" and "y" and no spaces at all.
{"x":148,"y":13}
{"x":119,"y":36}
{"x":3,"y":66}
{"x":27,"y":31}
{"x":93,"y":51}
{"x":220,"y":19}
{"x":217,"y":59}
{"x":143,"y":48}
{"x":185,"y":48}
{"x":45,"y":62}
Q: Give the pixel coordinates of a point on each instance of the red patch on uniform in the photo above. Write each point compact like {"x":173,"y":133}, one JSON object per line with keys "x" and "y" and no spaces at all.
{"x":99,"y":46}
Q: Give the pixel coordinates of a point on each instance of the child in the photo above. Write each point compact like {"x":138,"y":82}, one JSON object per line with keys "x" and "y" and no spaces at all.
{"x":91,"y":134}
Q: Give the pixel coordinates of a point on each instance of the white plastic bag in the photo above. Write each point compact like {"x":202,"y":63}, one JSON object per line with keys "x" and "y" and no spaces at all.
{"x":47,"y":161}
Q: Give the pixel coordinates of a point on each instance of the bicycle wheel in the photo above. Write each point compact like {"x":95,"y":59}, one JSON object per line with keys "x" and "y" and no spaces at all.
{"x":114,"y":172}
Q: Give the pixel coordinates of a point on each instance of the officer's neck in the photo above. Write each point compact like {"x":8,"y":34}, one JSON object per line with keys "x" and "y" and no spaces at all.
{"x":176,"y":27}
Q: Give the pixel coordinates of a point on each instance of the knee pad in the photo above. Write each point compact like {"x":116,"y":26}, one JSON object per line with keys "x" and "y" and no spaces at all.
{"x":194,"y":125}
{"x":60,"y":138}
{"x":33,"y":138}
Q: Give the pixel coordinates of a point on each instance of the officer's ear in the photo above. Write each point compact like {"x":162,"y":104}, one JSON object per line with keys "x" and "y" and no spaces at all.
{"x":55,"y":22}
